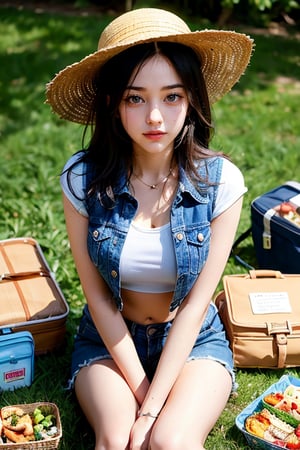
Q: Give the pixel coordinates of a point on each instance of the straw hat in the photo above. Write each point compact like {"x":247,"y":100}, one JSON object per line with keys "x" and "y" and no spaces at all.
{"x":224,"y":55}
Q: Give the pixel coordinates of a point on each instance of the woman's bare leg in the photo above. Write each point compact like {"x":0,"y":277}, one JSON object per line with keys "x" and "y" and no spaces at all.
{"x":108,"y":403}
{"x":193,"y":407}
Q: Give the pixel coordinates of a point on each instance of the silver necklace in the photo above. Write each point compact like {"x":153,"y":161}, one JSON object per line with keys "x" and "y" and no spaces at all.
{"x":154,"y":186}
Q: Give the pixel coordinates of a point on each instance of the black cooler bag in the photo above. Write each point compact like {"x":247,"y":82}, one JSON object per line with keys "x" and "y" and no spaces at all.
{"x":276,"y":238}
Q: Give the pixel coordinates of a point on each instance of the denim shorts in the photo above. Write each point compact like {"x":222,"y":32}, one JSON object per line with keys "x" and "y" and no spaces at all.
{"x":149,"y":340}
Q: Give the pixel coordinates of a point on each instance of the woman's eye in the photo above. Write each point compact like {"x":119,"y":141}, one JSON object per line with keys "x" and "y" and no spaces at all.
{"x":133,"y":99}
{"x":173,"y":98}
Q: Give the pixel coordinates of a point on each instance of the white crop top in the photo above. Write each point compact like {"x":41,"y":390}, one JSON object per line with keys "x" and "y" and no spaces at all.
{"x":147,"y":261}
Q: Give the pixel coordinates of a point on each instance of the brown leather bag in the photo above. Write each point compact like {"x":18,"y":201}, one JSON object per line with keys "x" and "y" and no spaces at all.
{"x":261,"y":315}
{"x":30,"y":298}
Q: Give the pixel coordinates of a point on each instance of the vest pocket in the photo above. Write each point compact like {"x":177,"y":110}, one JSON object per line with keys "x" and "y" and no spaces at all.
{"x":197,"y":240}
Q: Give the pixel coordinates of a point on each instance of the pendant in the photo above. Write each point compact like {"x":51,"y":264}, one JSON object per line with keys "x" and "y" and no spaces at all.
{"x":153,"y":186}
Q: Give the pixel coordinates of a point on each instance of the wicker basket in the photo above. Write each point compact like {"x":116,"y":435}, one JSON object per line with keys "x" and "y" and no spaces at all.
{"x":51,"y":443}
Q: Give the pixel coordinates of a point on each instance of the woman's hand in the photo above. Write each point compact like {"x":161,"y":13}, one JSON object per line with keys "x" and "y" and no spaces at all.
{"x":140,"y":433}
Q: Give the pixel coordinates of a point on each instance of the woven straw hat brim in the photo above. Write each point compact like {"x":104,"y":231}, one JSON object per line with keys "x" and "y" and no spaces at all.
{"x":224,"y":55}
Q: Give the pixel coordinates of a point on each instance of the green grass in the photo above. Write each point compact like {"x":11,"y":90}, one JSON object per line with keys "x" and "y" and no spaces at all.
{"x":257,"y":124}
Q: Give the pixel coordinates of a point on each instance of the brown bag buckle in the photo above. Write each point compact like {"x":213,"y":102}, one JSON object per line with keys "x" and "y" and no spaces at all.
{"x":283,"y":327}
{"x":280,"y":330}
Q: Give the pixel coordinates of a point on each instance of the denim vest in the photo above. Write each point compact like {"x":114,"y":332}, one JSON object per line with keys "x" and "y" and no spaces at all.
{"x":191,"y":214}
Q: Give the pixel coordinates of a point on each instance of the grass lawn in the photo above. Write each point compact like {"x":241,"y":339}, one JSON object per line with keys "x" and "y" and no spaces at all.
{"x":257,"y":124}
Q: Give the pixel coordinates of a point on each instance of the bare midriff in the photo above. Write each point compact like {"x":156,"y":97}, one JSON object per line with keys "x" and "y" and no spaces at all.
{"x":147,"y":308}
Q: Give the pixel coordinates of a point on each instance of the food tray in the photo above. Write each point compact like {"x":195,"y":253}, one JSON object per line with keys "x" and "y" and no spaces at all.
{"x":255,"y":442}
{"x":51,"y":443}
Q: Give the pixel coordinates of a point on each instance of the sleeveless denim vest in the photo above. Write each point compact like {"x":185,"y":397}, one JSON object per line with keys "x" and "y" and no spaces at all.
{"x":190,"y":217}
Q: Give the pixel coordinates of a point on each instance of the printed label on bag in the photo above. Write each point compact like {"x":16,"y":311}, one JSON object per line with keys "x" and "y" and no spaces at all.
{"x":270,"y":302}
{"x":14,"y":375}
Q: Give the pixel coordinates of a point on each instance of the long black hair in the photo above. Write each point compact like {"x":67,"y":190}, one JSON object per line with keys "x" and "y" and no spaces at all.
{"x":110,"y":148}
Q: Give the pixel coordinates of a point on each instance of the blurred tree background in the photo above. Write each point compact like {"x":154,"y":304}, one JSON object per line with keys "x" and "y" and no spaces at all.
{"x":260,"y":13}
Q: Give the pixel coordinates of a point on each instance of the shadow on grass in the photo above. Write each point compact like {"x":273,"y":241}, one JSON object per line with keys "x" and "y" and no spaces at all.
{"x":274,"y":57}
{"x":34,"y":49}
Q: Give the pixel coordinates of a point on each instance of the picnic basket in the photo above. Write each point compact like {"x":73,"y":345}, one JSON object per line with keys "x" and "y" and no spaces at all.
{"x":46,"y":444}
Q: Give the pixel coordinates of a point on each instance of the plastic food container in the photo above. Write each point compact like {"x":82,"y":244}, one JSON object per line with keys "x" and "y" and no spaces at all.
{"x":256,"y":406}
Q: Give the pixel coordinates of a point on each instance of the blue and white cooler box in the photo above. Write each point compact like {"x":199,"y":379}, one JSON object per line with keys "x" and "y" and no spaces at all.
{"x":256,"y":442}
{"x":16,"y":359}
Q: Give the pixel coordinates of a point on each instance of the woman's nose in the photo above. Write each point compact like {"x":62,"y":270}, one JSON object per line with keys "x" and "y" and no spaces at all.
{"x":154,"y":116}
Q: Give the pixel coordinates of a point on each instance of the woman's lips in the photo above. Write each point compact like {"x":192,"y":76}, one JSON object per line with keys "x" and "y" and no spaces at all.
{"x":154,"y":135}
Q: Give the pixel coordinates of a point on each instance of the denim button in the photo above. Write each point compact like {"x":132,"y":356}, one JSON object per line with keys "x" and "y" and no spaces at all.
{"x":179,"y":236}
{"x":114,"y":273}
{"x":151,"y":331}
{"x":95,"y":234}
{"x":200,"y":237}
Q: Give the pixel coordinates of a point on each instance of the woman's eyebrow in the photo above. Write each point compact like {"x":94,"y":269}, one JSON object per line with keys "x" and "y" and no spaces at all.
{"x":164,"y":88}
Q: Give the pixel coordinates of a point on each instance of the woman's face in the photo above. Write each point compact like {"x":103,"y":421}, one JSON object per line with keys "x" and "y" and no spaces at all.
{"x":154,"y":106}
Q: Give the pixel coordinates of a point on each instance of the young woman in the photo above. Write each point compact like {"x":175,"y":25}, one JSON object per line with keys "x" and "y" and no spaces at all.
{"x":151,"y":214}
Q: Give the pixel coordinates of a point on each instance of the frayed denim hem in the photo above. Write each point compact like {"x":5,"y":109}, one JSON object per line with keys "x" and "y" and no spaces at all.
{"x":86,"y":363}
{"x":229,"y":369}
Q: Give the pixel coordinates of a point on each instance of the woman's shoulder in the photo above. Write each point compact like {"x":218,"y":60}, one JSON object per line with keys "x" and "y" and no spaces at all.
{"x":72,"y":182}
{"x":230,"y":172}
{"x":222,"y":163}
{"x":76,"y":160}
{"x":231,"y":186}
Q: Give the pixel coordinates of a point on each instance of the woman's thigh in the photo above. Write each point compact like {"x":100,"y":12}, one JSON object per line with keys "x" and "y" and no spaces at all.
{"x":107,"y":402}
{"x":193,"y":406}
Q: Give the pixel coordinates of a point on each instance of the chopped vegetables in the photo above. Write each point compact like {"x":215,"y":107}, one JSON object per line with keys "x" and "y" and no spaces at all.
{"x":44,"y":424}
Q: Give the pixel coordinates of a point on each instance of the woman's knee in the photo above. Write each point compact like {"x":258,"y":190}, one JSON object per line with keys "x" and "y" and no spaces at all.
{"x":113,"y":441}
{"x":172,"y":439}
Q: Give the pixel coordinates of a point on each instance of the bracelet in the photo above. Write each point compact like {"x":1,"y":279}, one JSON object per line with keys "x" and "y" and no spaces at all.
{"x":148,"y":414}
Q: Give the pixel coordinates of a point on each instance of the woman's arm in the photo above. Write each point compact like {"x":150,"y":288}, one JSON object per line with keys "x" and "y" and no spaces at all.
{"x":192,"y":312}
{"x":108,"y":320}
